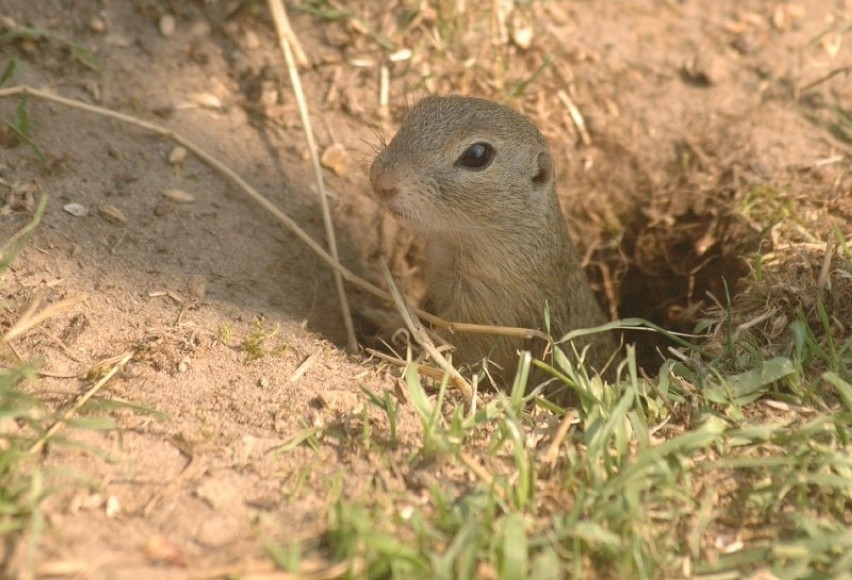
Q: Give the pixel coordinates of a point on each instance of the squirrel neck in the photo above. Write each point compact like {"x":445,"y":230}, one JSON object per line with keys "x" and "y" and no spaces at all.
{"x":492,"y":266}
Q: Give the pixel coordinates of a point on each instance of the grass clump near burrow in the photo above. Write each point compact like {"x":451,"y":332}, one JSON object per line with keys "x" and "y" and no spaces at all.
{"x":727,"y":463}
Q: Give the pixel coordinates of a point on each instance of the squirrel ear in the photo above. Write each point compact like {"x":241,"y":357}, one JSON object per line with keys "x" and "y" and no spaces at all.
{"x":545,"y":168}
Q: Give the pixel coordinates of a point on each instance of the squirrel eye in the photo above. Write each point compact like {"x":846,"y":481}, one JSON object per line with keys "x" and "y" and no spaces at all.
{"x":478,"y":156}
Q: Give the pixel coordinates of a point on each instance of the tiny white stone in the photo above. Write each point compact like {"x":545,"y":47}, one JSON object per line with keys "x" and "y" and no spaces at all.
{"x":113,"y":507}
{"x":177,"y":155}
{"x":401,"y":55}
{"x":168,"y":24}
{"x":207,"y":100}
{"x":76,"y":209}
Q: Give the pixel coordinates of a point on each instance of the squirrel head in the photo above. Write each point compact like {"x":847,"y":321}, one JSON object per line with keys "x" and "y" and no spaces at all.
{"x":463,"y":164}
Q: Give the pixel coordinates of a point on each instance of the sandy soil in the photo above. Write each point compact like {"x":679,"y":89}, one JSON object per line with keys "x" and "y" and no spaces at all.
{"x":692,"y":109}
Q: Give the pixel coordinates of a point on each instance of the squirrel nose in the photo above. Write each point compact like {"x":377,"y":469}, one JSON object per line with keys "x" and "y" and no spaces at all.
{"x":385,"y":181}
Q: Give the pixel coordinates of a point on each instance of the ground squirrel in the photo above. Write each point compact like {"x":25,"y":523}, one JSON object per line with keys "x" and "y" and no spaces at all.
{"x":476,"y":181}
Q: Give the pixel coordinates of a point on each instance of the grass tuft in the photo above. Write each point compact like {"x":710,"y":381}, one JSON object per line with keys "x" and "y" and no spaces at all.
{"x":255,"y":344}
{"x":22,"y":420}
{"x":724,"y":464}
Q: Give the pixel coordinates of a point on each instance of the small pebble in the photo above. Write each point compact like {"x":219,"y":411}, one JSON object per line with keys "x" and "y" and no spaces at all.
{"x":523,"y":37}
{"x":522,"y":32}
{"x":336,"y":158}
{"x":401,"y":55}
{"x":161,"y":549}
{"x":252,"y":42}
{"x":177,"y":155}
{"x":704,"y":69}
{"x":168,"y":24}
{"x":113,"y":507}
{"x":97,"y":24}
{"x":75,"y":209}
{"x":207,"y":100}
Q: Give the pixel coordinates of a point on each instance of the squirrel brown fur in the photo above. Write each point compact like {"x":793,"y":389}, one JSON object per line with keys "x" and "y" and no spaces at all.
{"x":476,"y":181}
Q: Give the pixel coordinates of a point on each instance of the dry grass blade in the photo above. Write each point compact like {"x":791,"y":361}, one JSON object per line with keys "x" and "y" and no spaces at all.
{"x":30,"y":319}
{"x":426,"y":370}
{"x":813,"y":84}
{"x":422,"y":338}
{"x":551,"y":455}
{"x":576,"y":117}
{"x":286,"y":38}
{"x":12,"y":247}
{"x":285,"y":31}
{"x":59,"y":423}
{"x":305,"y":366}
{"x":824,"y":281}
{"x":482,"y":473}
{"x":482,"y":328}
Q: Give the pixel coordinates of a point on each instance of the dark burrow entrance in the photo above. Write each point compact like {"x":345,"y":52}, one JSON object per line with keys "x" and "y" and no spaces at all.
{"x":683,"y":243}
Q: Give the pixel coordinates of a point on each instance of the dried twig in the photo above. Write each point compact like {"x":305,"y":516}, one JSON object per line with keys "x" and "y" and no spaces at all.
{"x":29,"y":318}
{"x":482,"y":473}
{"x":285,"y":31}
{"x":551,"y":455}
{"x":576,"y":117}
{"x":422,"y":338}
{"x":813,"y":84}
{"x":431,"y":372}
{"x":59,"y":423}
{"x":305,"y":366}
{"x":824,"y":281}
{"x":285,"y":40}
